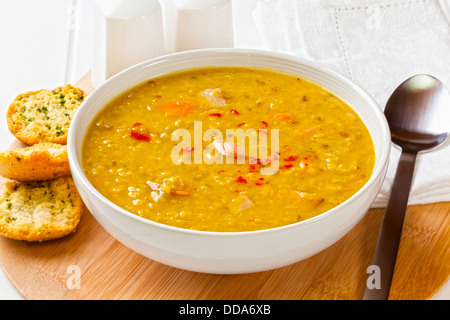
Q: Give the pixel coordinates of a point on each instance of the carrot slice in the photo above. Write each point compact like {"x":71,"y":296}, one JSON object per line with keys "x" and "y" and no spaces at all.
{"x":284,"y":116}
{"x":303,"y":200}
{"x":177,"y":108}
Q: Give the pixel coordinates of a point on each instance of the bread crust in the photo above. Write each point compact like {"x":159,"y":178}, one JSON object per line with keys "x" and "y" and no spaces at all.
{"x":39,"y":211}
{"x":42,"y":161}
{"x":44,"y":115}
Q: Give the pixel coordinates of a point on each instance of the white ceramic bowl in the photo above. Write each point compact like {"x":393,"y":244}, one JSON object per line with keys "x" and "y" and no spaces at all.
{"x":239,"y":252}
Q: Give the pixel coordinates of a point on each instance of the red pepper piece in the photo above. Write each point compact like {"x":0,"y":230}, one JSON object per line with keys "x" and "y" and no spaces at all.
{"x":291,"y":158}
{"x":188,"y":150}
{"x":234,"y":111}
{"x":139,"y":133}
{"x":240,"y":179}
{"x":288,"y":166}
{"x":260,"y":182}
{"x":215,"y":115}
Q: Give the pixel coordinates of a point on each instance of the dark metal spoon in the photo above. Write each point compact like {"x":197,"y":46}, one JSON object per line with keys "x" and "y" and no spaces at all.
{"x":418,"y":113}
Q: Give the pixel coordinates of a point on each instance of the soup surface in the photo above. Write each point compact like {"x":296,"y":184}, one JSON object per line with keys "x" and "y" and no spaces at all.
{"x":150,"y":152}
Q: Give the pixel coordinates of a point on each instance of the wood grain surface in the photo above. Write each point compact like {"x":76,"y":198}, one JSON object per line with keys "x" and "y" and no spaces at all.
{"x":109,"y":270}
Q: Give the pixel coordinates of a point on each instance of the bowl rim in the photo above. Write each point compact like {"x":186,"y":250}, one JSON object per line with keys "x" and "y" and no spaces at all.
{"x":379,"y":170}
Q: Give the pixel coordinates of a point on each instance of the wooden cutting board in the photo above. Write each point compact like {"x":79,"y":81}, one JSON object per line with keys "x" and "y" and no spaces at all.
{"x":109,"y":270}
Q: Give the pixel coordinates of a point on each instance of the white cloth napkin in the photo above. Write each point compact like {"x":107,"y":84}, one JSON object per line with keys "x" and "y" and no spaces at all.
{"x":377,"y":44}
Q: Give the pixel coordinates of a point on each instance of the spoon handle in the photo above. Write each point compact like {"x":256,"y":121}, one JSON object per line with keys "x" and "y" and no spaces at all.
{"x":389,"y":238}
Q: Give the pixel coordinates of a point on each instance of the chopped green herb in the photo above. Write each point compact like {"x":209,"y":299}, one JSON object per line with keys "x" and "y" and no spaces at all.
{"x":18,"y":159}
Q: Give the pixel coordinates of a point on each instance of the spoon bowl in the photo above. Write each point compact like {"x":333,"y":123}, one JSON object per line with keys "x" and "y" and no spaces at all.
{"x":418,"y":114}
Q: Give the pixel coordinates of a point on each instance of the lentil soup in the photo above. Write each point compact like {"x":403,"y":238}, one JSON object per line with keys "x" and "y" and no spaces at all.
{"x":325,"y":153}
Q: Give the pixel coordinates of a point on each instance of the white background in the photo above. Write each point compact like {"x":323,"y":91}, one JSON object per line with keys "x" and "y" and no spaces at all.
{"x":47,"y":43}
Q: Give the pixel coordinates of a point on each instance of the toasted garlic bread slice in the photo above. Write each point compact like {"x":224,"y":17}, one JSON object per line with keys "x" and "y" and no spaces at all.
{"x":44,"y":115}
{"x":39,"y":211}
{"x":42,"y":161}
